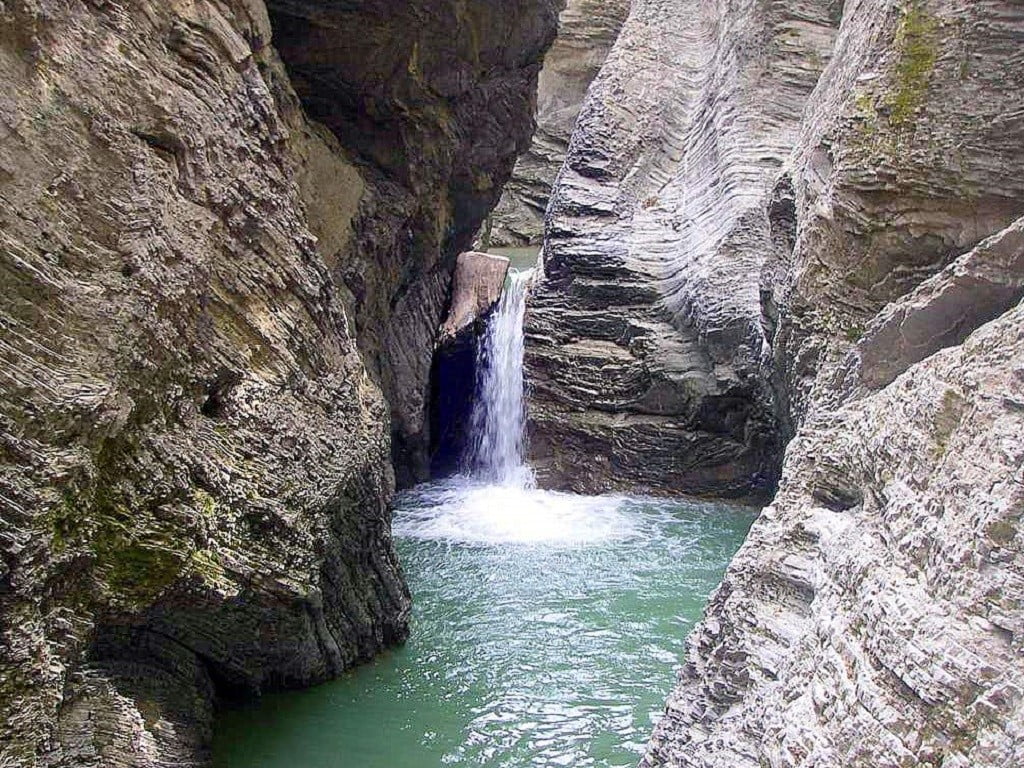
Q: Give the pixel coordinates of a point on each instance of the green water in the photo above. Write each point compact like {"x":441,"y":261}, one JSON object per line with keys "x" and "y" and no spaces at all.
{"x":520,"y":258}
{"x":546,"y":632}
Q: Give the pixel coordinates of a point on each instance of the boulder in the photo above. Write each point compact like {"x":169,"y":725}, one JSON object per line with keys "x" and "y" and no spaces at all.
{"x":476,"y":287}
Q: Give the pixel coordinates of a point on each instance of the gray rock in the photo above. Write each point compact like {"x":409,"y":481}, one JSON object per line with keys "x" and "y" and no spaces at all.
{"x":874,"y":616}
{"x":909,"y":157}
{"x":587,"y":29}
{"x":976,"y":288}
{"x":644,"y":336}
{"x":434,"y":100}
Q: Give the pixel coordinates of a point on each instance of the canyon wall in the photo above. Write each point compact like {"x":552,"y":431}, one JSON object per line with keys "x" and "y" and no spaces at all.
{"x":645,"y":339}
{"x":587,"y":29}
{"x":219,"y":291}
{"x":434,"y":100}
{"x":875,"y":616}
{"x":801,"y":222}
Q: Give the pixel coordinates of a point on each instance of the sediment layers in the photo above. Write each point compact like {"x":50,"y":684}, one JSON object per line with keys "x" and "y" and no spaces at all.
{"x":875,"y":615}
{"x":587,"y":29}
{"x":645,"y":339}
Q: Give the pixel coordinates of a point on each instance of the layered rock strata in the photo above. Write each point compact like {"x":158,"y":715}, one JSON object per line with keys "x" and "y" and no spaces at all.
{"x":205,"y":294}
{"x":875,"y":616}
{"x":645,"y":340}
{"x":587,"y":29}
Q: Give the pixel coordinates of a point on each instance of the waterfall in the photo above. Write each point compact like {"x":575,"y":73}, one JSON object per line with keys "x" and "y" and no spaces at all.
{"x":498,"y":423}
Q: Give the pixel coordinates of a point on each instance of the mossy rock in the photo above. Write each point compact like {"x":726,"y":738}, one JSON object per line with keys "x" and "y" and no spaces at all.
{"x":917,"y":44}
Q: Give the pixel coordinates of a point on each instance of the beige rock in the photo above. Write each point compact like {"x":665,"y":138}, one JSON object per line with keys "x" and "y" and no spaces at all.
{"x":476,"y":288}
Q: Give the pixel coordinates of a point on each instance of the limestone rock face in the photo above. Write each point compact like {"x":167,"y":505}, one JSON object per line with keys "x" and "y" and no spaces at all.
{"x":198,"y":294}
{"x":875,"y":616}
{"x":587,"y":29}
{"x":645,"y":340}
{"x":909,"y":157}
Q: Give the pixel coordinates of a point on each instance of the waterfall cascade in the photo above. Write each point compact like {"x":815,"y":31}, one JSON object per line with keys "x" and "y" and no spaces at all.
{"x":495,"y":451}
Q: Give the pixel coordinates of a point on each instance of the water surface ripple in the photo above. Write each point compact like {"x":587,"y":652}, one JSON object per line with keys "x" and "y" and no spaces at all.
{"x":546,"y":629}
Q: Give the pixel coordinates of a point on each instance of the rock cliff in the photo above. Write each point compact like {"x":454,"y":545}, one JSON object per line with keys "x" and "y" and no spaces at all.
{"x":219,"y":291}
{"x":434,"y":100}
{"x":645,"y":340}
{"x":875,"y":615}
{"x":587,"y":29}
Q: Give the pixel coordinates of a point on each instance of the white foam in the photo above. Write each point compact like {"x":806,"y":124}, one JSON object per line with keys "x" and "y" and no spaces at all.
{"x":459,"y":510}
{"x":498,"y":503}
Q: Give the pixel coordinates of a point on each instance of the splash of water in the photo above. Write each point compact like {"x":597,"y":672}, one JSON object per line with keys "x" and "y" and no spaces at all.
{"x":466,"y":511}
{"x":495,"y":452}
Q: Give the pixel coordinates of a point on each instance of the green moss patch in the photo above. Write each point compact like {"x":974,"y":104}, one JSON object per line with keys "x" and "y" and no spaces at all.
{"x":139,"y":571}
{"x":917,"y":45}
{"x":947,"y":420}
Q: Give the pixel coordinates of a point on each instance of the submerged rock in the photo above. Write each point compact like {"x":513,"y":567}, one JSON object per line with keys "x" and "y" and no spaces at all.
{"x":210,"y":302}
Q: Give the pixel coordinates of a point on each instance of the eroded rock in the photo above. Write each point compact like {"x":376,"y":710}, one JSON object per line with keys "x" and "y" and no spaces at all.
{"x":888,"y":631}
{"x":874,"y":616}
{"x":587,"y":29}
{"x":434,"y":100}
{"x":644,"y":336}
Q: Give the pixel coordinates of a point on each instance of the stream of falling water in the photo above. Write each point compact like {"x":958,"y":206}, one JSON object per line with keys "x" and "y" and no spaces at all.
{"x":499,"y":414}
{"x":546,"y":626}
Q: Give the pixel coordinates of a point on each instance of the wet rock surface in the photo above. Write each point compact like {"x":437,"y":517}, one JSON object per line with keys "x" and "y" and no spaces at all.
{"x":434,"y":101}
{"x":476,"y":288}
{"x":208,"y":301}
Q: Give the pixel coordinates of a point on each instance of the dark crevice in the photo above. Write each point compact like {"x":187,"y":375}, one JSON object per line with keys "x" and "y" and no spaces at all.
{"x":218,"y":393}
{"x":452,"y":384}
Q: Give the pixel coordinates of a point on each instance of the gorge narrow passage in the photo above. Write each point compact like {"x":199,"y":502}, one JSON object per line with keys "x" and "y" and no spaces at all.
{"x":546,"y":626}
